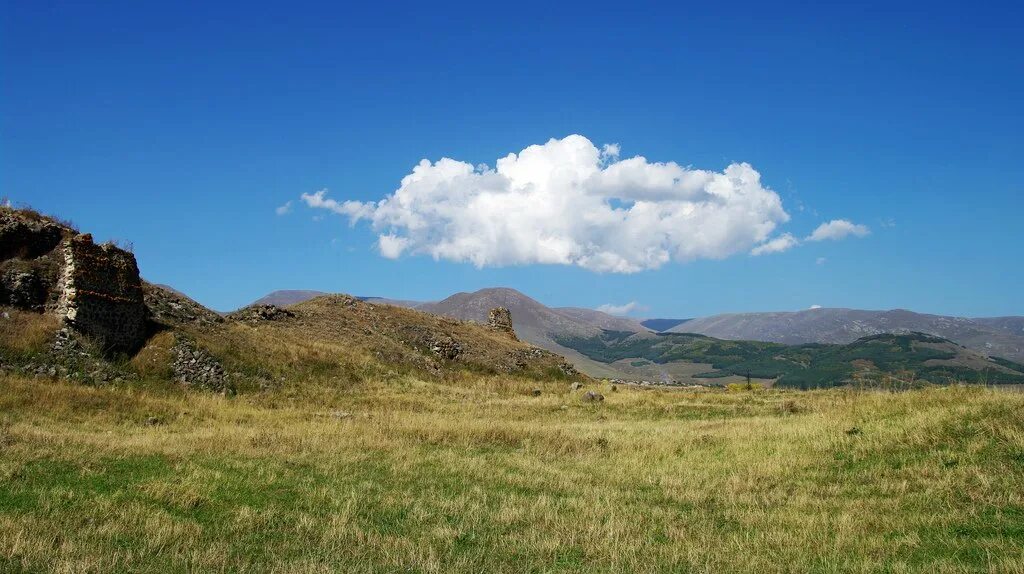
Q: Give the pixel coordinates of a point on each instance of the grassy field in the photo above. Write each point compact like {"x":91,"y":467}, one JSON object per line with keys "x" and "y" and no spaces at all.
{"x":405,"y":475}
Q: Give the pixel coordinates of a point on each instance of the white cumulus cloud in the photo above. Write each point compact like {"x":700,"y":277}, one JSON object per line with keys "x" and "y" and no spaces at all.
{"x":568,"y":202}
{"x":777,"y":245}
{"x":838,"y":229}
{"x":620,"y":309}
{"x":812,"y":307}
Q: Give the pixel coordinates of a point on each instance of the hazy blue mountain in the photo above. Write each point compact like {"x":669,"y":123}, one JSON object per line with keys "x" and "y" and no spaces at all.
{"x":662,"y":324}
{"x":995,"y":336}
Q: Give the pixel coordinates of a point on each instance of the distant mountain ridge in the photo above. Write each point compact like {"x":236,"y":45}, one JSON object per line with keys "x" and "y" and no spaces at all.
{"x":533,"y":320}
{"x":662,"y":324}
{"x":998,"y":336}
{"x":1009,"y":325}
{"x":538,"y":324}
{"x":546,"y":326}
{"x":286,"y":297}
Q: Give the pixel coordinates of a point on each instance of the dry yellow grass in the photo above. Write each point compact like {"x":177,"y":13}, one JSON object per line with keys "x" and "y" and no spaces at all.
{"x":477,"y":475}
{"x":25,"y":332}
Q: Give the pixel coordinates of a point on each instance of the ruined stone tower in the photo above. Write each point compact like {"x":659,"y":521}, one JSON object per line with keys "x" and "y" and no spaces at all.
{"x":500,"y":319}
{"x":101,"y":293}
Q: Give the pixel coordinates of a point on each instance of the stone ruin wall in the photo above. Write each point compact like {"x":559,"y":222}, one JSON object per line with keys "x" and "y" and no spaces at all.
{"x":101,"y":293}
{"x":500,"y":319}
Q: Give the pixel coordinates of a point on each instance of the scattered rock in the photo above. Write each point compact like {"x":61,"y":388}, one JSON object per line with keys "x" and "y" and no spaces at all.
{"x":73,"y":359}
{"x":591,"y":396}
{"x":535,"y":392}
{"x":521,"y":359}
{"x":67,"y":344}
{"x":153,"y":421}
{"x":568,"y":369}
{"x":614,"y":388}
{"x":576,"y":386}
{"x":447,"y":348}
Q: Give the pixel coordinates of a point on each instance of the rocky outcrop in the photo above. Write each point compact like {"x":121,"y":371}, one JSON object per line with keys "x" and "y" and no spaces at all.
{"x":101,"y":294}
{"x":170,"y":308}
{"x":29,"y":267}
{"x":27,"y":235}
{"x":23,"y":289}
{"x":259,"y":313}
{"x":500,"y":319}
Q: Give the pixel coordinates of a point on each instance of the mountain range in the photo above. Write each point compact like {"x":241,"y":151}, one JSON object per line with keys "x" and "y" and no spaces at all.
{"x":998,"y":336}
{"x":559,"y":329}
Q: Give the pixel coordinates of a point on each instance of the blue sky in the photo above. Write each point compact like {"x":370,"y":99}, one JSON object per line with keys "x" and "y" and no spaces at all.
{"x":182,"y":128}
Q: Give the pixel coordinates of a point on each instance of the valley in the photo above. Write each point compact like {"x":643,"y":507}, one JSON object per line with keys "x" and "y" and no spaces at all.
{"x":482,"y":432}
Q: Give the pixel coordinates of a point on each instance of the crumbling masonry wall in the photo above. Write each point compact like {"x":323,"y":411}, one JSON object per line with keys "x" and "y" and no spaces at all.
{"x":101,"y":293}
{"x":500,"y":319}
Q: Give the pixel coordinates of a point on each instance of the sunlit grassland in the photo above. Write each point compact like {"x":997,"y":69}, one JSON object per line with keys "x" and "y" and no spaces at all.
{"x":479,"y":476}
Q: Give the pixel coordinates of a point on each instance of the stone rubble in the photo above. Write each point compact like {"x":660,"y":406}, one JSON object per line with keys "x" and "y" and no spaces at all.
{"x":447,"y":348}
{"x":568,"y":369}
{"x":194,"y":367}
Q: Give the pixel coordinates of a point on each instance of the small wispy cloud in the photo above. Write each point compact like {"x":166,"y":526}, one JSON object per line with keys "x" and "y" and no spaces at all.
{"x":355,"y":210}
{"x":620,"y":310}
{"x":812,"y":307}
{"x":777,"y":245}
{"x":284,"y":209}
{"x":820,"y":260}
{"x":838,"y":229}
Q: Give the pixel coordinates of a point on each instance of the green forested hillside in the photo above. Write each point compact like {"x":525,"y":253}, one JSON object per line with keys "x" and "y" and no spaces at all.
{"x":903,"y":358}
